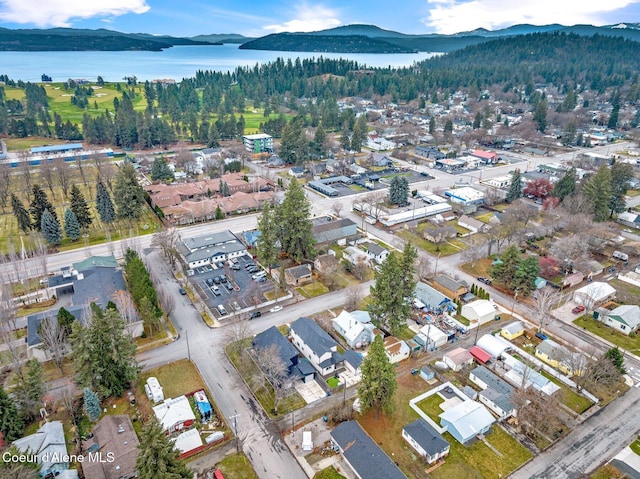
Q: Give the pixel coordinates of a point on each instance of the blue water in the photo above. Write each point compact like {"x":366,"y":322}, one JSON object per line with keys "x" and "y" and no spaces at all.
{"x":177,"y":62}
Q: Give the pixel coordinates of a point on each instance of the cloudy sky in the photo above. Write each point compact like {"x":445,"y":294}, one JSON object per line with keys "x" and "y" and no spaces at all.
{"x":257,"y":18}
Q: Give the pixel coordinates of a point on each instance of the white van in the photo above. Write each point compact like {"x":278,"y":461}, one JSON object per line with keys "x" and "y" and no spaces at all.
{"x":258,"y":275}
{"x":221,"y":310}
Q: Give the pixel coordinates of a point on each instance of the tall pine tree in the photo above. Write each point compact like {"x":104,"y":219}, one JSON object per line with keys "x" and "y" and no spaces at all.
{"x":566,"y":186}
{"x":294,"y":226}
{"x":92,"y":405}
{"x":71,"y":225}
{"x":515,"y":188}
{"x":267,"y":248}
{"x":39,"y":203}
{"x":50,"y":228}
{"x":11,"y":424}
{"x":21,"y":214}
{"x":128,"y":194}
{"x":378,"y":383}
{"x":79,"y":206}
{"x":157,"y":457}
{"x":597,"y":189}
{"x":104,"y":205}
{"x":389,"y":307}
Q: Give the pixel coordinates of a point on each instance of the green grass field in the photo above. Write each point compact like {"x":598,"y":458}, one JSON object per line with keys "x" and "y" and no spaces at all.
{"x":431,"y":407}
{"x":627,"y":343}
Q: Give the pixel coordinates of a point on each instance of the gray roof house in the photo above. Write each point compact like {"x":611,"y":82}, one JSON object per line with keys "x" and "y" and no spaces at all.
{"x":331,"y":230}
{"x":49,"y":445}
{"x":625,"y":318}
{"x":425,"y":440}
{"x":432,"y":299}
{"x":496,"y":393}
{"x":363,"y":455}
{"x":316,"y":345}
{"x":208,"y":240}
{"x":376,"y":252}
{"x":274,"y":338}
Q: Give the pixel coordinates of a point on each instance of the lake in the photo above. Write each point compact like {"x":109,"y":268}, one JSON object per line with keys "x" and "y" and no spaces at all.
{"x":177,"y":62}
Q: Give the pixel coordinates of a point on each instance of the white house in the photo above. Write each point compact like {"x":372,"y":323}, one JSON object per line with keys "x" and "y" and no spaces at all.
{"x":479,"y":312}
{"x":466,"y":420}
{"x":316,"y":345}
{"x":594,"y":293}
{"x":356,"y":333}
{"x":175,"y":414}
{"x":472,"y":224}
{"x":425,"y":440}
{"x":355,"y":256}
{"x":625,"y":318}
{"x":457,"y":359}
{"x":434,"y":337}
{"x":376,"y":252}
{"x":397,"y":350}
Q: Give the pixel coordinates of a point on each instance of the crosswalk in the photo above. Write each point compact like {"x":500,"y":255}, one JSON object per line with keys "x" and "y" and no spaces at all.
{"x":634,"y":374}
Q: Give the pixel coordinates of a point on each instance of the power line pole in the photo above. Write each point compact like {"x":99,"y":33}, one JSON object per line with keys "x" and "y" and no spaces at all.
{"x":186,"y":335}
{"x":235,"y":429}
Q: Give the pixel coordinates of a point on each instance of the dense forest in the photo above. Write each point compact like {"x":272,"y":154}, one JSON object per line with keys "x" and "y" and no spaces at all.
{"x":298,"y":42}
{"x":209,"y":106}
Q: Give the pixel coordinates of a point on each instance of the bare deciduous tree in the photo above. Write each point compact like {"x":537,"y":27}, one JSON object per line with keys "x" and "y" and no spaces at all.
{"x":167,"y":301}
{"x":5,"y":185}
{"x":236,"y":336}
{"x":275,"y":372}
{"x":166,"y":240}
{"x":8,"y":325}
{"x":127,"y":309}
{"x":352,"y":297}
{"x":423,"y":267}
{"x":80,"y":166}
{"x":46,"y":173}
{"x":54,"y":340}
{"x":544,"y":300}
{"x":25,"y":170}
{"x":337,"y":207}
{"x":64,"y":176}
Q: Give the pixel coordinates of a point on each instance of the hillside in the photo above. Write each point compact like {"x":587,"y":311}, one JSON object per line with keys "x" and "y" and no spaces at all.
{"x":297,"y":42}
{"x":220,"y":38}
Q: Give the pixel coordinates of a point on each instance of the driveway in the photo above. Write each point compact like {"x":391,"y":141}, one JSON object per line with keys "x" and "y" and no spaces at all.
{"x":310,"y":391}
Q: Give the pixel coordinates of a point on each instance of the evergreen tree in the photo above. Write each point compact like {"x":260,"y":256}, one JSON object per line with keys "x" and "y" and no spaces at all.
{"x":597,"y":189}
{"x":398,"y":190}
{"x":51,"y":228}
{"x":294,"y":226}
{"x":11,"y":424}
{"x":407,"y":265}
{"x":505,"y":270}
{"x":526,"y":274}
{"x":566,"y":186}
{"x":432,"y":125}
{"x":80,"y":208}
{"x":157,"y":457}
{"x":319,"y":139}
{"x":448,"y":126}
{"x":92,"y":405}
{"x":540,"y":115}
{"x":104,"y":205}
{"x":104,"y":354}
{"x":515,"y":188}
{"x":128,"y":194}
{"x":617,"y":358}
{"x":378,"y":383}
{"x":39,"y":203}
{"x":160,"y":170}
{"x":71,"y":225}
{"x":621,"y":174}
{"x":30,"y":389}
{"x":21,"y":214}
{"x":219,"y":213}
{"x":267,"y":242}
{"x":65,"y":321}
{"x":360,"y":132}
{"x":389,"y":308}
{"x":612,"y":124}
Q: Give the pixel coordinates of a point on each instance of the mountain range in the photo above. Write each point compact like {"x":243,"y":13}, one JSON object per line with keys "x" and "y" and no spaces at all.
{"x":358,"y":38}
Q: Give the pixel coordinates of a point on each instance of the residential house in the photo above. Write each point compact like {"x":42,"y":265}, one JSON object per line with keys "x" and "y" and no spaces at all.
{"x":175,"y":414}
{"x":275,"y":161}
{"x":273,"y":338}
{"x":298,"y":275}
{"x":519,"y":374}
{"x":35,"y":348}
{"x":355,"y":256}
{"x":472,"y":224}
{"x":449,"y":286}
{"x":380,"y":160}
{"x":486,"y":157}
{"x":432,"y":299}
{"x":296,"y":171}
{"x":427,"y":442}
{"x":428,"y":152}
{"x":496,"y":393}
{"x":512,"y":330}
{"x":457,"y":359}
{"x":589,"y":268}
{"x":625,"y":318}
{"x":466,"y":420}
{"x":316,"y":345}
{"x":356,"y":333}
{"x":554,"y":355}
{"x":113,"y":437}
{"x":397,"y":350}
{"x":49,"y":446}
{"x":352,"y":362}
{"x":479,"y":312}
{"x":594,"y":293}
{"x":362,"y":454}
{"x":626,"y":218}
{"x":326,"y":263}
{"x":439,"y":234}
{"x":376,"y":252}
{"x":327,"y":230}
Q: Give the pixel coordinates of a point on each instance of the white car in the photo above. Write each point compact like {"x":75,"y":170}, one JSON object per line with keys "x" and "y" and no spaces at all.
{"x":275,"y":309}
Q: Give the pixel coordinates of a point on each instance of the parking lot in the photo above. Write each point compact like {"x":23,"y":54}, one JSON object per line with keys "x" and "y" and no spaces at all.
{"x":228,"y":286}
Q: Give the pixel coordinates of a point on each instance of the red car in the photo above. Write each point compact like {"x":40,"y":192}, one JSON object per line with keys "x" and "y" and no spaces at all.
{"x":578,"y":309}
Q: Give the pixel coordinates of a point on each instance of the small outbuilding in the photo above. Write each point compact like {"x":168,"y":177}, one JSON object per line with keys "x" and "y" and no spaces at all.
{"x":479,"y":312}
{"x":457,"y":359}
{"x":512,"y":330}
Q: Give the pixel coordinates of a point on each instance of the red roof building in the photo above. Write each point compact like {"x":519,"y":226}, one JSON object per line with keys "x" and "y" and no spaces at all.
{"x":480,"y":354}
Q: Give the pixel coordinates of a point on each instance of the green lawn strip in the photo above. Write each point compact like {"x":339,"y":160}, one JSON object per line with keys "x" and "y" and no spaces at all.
{"x":311,"y":290}
{"x":635,"y":446}
{"x":176,"y":379}
{"x":236,"y":466}
{"x":628,"y":343}
{"x":574,"y":401}
{"x":431,"y":407}
{"x":480,"y":460}
{"x":446,"y":249}
{"x":333,"y":382}
{"x":329,"y":473}
{"x":484,"y":217}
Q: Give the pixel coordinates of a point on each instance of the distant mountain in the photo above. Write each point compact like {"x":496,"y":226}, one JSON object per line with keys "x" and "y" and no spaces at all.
{"x":218,"y":38}
{"x":70,"y":39}
{"x":326,"y":41}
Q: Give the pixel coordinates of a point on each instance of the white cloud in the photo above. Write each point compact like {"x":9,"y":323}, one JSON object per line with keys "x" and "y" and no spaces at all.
{"x":60,"y":13}
{"x":452,"y":16}
{"x":307,"y":18}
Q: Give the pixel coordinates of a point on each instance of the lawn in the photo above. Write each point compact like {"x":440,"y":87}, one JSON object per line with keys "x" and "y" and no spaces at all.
{"x":484,"y":217}
{"x":448,"y":248}
{"x":313,"y":289}
{"x":635,"y":446}
{"x":574,"y":401}
{"x":479,"y":461}
{"x":236,"y":466}
{"x":607,"y":472}
{"x":627,"y":343}
{"x":478,"y":268}
{"x":329,"y":473}
{"x":626,"y":293}
{"x":176,"y":379}
{"x":333,"y":382}
{"x":431,"y":406}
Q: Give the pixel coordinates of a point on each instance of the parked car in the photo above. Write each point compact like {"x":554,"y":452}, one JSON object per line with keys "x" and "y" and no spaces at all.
{"x":255,"y":314}
{"x":235,"y":267}
{"x":210,"y":281}
{"x":541,"y":336}
{"x":183,"y":291}
{"x":216,"y":291}
{"x":216,"y":280}
{"x":484,"y":280}
{"x":223,"y":279}
{"x":229,"y":286}
{"x":253,"y":269}
{"x":261,"y":279}
{"x":275,"y":309}
{"x":578,"y":309}
{"x":249,"y":265}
